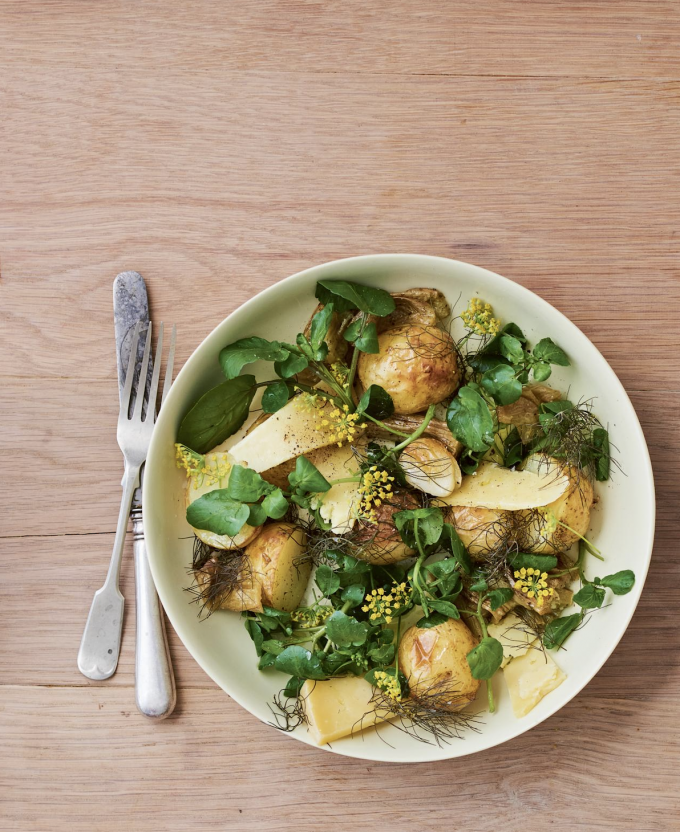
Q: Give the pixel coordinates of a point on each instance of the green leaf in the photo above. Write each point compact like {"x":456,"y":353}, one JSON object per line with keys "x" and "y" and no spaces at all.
{"x":275,"y":396}
{"x":494,"y":345}
{"x":382,"y":655}
{"x":485,"y":658}
{"x":275,"y":504}
{"x":551,"y":409}
{"x":266,"y":660}
{"x":274,"y":646}
{"x":353,"y":331}
{"x":444,"y":607}
{"x":307,"y":478}
{"x":368,"y":340}
{"x":355,"y":296}
{"x":589,"y":597}
{"x":217,"y":512}
{"x":354,"y":594}
{"x":218,"y":414}
{"x":513,"y":450}
{"x":452,"y":542}
{"x":376,"y":402}
{"x":620,"y":583}
{"x":257,"y":516}
{"x":429,"y":621}
{"x":235,"y":356}
{"x":602,"y":454}
{"x":345,"y":631}
{"x":542,"y":372}
{"x":320,"y":324}
{"x":470,"y":420}
{"x":548,"y":352}
{"x":246,"y":485}
{"x":296,"y":661}
{"x":255,"y":632}
{"x":511,"y":348}
{"x":501,"y":383}
{"x":498,"y":597}
{"x":375,"y":455}
{"x":291,"y":366}
{"x":527,"y":561}
{"x":483,"y":363}
{"x":556,"y":631}
{"x":430,"y":525}
{"x":327,"y":580}
{"x":293,"y":688}
{"x":479,"y":585}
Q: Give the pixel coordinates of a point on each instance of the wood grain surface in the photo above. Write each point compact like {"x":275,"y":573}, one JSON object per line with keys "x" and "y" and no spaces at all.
{"x":217,"y":148}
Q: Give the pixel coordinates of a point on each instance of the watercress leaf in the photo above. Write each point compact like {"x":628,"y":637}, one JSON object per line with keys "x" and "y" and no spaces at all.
{"x":275,"y":396}
{"x":470,"y":420}
{"x":280,"y":617}
{"x":452,"y":542}
{"x":479,"y":585}
{"x":433,"y":620}
{"x":589,"y":597}
{"x":364,"y":298}
{"x":257,"y":516}
{"x":266,"y":660}
{"x":217,"y":512}
{"x":375,"y":455}
{"x":494,"y":345}
{"x":275,"y":504}
{"x":430,"y":524}
{"x":354,"y":594}
{"x":485,"y":658}
{"x":235,"y":356}
{"x":553,"y":408}
{"x":528,"y":561}
{"x":511,"y":348}
{"x":368,"y":340}
{"x":291,"y":366}
{"x":297,"y":661}
{"x":293,"y":688}
{"x":327,"y":580}
{"x":218,"y":414}
{"x":602,"y":454}
{"x":307,"y":478}
{"x":441,"y":568}
{"x":557,"y":630}
{"x":501,"y":383}
{"x":319,"y":328}
{"x":469,"y":460}
{"x":513,"y":450}
{"x":345,"y":631}
{"x":620,"y":583}
{"x":542,"y":372}
{"x":376,"y":402}
{"x":353,"y":330}
{"x":255,"y":632}
{"x":444,"y":607}
{"x":498,"y":597}
{"x":548,"y":352}
{"x":483,"y":363}
{"x":273,"y":645}
{"x":382,"y":655}
{"x":246,"y":485}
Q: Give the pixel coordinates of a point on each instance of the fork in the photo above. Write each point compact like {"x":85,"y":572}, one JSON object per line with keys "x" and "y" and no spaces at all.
{"x":100,"y":645}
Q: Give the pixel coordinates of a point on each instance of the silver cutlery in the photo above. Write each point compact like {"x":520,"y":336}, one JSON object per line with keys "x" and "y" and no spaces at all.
{"x":100,"y":645}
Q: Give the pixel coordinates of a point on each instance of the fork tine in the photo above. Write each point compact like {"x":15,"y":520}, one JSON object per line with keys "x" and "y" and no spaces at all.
{"x":130,"y":373}
{"x":167,"y":383}
{"x":143,"y":373}
{"x":153,"y":390}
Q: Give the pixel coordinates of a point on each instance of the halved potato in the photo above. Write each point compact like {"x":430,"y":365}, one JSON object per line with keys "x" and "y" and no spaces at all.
{"x":438,"y":656}
{"x":225,"y":585}
{"x":380,"y":543}
{"x":278,"y":564}
{"x":482,"y":530}
{"x":494,"y":487}
{"x":430,"y":467}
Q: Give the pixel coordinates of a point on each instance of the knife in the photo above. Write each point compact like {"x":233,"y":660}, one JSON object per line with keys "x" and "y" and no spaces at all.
{"x":155,"y":692}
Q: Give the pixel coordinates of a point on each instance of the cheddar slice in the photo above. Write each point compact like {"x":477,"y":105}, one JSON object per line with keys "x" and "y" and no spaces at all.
{"x":529,"y":678}
{"x":339,"y":707}
{"x":515,"y":636}
{"x":500,"y":488}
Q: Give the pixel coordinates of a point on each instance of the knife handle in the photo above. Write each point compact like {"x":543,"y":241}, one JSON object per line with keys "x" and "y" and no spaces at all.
{"x":155,"y":692}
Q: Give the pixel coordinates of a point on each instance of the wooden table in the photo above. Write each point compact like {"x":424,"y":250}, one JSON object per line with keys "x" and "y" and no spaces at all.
{"x":217,"y":148}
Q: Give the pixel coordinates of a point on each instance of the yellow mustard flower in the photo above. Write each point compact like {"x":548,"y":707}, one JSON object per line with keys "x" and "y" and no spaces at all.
{"x":388,"y":684}
{"x":533,"y":583}
{"x":478,"y":317}
{"x":308,"y":617}
{"x":383,"y":605}
{"x":374,"y":489}
{"x":200,"y":470}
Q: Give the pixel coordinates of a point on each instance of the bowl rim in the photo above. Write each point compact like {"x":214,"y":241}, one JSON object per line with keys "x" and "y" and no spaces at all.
{"x":631,"y":419}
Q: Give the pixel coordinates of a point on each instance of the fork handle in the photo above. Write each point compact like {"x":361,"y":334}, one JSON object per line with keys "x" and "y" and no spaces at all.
{"x":154,"y":680}
{"x":100,"y":645}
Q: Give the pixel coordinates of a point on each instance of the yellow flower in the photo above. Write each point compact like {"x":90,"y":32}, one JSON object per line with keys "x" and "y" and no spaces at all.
{"x":381,"y":605}
{"x":200,"y":470}
{"x":375,"y":487}
{"x":533,"y":583}
{"x":388,"y":684}
{"x":336,"y":421}
{"x":478,"y":317}
{"x":307,"y":617}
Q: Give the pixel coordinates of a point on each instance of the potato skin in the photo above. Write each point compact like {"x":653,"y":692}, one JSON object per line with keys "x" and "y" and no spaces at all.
{"x":416,"y":365}
{"x":480,"y":529}
{"x":276,"y":558}
{"x":439,"y":654}
{"x":386,"y":545}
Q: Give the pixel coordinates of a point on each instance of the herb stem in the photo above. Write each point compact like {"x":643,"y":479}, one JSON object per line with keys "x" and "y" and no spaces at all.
{"x":416,"y":569}
{"x":384,"y":426}
{"x":416,"y":433}
{"x":592,"y":549}
{"x":355,"y":354}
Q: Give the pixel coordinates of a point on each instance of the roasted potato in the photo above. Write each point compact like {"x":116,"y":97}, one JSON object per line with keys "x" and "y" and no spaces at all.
{"x":431,"y":467}
{"x":380,"y":543}
{"x":278,"y":564}
{"x":229,"y":583}
{"x":544,"y":530}
{"x":416,"y":365}
{"x":480,"y":529}
{"x":439,"y":655}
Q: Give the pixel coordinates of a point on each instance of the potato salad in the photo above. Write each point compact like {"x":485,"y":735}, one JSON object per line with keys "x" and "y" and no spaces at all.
{"x":397,"y":513}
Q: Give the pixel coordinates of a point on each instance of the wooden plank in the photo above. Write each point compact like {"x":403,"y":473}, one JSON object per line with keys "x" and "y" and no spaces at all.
{"x":568,"y":187}
{"x":80,"y":759}
{"x":489,"y":37}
